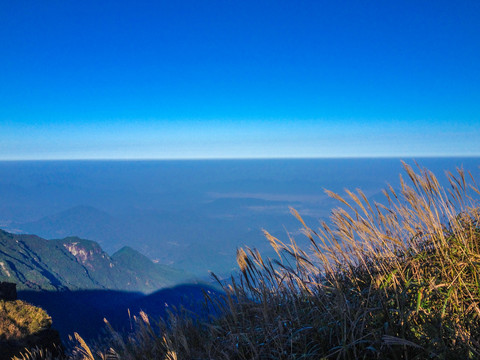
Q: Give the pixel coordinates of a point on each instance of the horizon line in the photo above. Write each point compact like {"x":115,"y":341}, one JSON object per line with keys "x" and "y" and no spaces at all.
{"x":251,"y":158}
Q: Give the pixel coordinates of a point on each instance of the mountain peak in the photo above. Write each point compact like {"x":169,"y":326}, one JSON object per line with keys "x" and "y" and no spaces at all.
{"x":127,"y":251}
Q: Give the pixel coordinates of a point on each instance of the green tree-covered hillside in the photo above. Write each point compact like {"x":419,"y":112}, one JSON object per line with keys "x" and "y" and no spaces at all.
{"x":73,"y":263}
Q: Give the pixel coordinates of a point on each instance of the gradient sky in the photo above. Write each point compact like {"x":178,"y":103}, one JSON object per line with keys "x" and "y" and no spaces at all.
{"x":228,"y":79}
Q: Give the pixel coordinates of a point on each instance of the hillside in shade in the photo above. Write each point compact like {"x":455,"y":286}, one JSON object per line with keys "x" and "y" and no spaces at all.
{"x":72,"y":263}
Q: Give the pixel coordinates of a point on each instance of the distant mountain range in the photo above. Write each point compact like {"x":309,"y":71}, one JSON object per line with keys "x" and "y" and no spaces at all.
{"x":183,"y":239}
{"x":191,"y":215}
{"x":198,"y":240}
{"x":34,"y":263}
{"x":74,"y":273}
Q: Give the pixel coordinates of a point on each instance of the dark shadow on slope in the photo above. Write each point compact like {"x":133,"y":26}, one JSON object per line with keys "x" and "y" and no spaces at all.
{"x":83,"y":311}
{"x":189,"y":297}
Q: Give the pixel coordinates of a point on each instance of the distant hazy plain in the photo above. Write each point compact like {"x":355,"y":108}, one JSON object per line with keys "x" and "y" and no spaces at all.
{"x":190,"y":214}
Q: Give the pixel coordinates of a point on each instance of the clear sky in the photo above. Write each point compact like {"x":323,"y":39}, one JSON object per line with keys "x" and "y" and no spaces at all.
{"x":228,"y":79}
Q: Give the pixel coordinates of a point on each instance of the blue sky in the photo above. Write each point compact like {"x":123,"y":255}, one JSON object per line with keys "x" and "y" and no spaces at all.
{"x":229,"y":79}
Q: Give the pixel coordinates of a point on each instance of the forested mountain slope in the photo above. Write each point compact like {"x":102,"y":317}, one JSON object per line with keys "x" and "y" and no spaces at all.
{"x":73,"y":263}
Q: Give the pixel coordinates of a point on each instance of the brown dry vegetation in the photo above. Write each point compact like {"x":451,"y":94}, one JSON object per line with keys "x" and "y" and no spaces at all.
{"x":19,"y":319}
{"x":394,"y":281}
{"x":22,"y":326}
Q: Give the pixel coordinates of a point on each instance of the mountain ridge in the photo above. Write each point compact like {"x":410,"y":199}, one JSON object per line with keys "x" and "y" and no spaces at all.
{"x":73,"y":263}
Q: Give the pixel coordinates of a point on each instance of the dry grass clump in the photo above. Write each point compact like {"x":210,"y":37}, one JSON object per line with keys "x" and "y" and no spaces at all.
{"x":19,"y":319}
{"x":22,"y":326}
{"x":39,"y":353}
{"x":399,"y":280}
